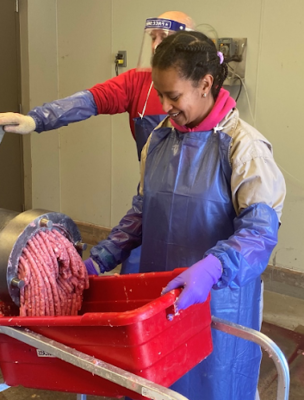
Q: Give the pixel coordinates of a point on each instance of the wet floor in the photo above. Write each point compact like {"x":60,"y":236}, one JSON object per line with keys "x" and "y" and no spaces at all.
{"x":291,"y":343}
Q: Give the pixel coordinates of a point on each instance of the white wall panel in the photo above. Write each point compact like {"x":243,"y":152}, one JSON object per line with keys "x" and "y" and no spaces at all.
{"x":84,"y":49}
{"x":280,"y":115}
{"x":43,"y":85}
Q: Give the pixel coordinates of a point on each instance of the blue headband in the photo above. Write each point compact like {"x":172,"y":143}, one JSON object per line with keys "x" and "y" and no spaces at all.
{"x":160,"y":23}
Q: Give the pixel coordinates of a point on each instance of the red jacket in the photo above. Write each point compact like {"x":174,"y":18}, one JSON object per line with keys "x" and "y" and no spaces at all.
{"x":127,"y":92}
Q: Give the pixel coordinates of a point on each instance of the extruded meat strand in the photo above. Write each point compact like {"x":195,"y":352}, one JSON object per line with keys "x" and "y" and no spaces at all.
{"x":36,"y":282}
{"x":45,"y":274}
{"x":54,"y":275}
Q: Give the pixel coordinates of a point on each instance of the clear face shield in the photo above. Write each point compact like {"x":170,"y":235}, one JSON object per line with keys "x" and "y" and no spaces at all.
{"x":156,"y":29}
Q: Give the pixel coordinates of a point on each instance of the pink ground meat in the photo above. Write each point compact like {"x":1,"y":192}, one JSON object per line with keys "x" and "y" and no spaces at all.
{"x":54,"y":276}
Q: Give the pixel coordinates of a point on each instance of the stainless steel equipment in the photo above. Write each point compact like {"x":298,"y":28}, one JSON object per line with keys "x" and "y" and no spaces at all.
{"x":15,"y":230}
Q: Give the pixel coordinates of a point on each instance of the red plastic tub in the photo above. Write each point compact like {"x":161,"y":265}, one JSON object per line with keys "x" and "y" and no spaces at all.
{"x":123,"y":322}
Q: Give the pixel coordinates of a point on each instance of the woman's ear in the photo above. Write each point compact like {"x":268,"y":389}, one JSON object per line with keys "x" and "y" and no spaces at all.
{"x":206,"y":84}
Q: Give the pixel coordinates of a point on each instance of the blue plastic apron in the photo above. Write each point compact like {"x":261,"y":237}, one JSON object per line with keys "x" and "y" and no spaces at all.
{"x":143,"y":126}
{"x":187,"y":209}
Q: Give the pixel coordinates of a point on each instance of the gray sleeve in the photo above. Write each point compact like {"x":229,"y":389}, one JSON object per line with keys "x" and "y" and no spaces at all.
{"x":255,"y":178}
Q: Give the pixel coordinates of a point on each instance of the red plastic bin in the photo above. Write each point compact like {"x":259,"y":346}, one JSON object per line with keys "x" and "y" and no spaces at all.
{"x":123,"y":322}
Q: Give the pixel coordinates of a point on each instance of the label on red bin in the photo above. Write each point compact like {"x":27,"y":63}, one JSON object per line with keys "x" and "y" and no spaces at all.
{"x":42,"y":353}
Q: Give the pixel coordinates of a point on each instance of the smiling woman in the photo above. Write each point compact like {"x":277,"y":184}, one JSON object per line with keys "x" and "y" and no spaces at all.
{"x":186,"y":103}
{"x":211,"y":198}
{"x":188,"y":74}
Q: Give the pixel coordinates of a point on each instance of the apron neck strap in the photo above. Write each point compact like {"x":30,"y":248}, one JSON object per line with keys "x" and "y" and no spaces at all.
{"x":145,"y":105}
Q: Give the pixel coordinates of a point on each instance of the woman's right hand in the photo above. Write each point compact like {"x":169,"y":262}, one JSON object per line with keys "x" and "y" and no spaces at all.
{"x":17,"y":123}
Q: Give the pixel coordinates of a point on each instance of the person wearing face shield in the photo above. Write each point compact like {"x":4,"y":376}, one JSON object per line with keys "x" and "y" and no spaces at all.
{"x":156,"y":29}
{"x":131,"y":91}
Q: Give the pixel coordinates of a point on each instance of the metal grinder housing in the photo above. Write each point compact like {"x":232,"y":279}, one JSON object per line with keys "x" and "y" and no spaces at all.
{"x":15,"y":231}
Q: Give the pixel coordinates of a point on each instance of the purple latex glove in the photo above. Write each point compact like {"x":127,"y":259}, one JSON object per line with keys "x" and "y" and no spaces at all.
{"x":197,"y":282}
{"x":90,"y":267}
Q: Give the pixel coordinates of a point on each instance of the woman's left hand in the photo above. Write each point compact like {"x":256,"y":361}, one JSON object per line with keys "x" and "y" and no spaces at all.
{"x":197,"y":282}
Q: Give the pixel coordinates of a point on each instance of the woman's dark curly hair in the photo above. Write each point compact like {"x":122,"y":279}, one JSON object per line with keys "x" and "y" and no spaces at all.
{"x":194,"y":55}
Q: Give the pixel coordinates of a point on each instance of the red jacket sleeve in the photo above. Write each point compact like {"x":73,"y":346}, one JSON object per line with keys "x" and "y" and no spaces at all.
{"x":115,"y":95}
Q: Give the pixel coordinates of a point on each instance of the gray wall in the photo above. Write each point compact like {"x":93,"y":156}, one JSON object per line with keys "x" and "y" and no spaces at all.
{"x":89,"y":170}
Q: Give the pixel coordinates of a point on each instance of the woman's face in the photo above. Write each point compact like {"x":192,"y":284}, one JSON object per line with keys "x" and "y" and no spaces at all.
{"x":181,"y":100}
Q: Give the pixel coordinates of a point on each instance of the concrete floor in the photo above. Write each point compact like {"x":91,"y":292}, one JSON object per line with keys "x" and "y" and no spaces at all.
{"x":292,"y":345}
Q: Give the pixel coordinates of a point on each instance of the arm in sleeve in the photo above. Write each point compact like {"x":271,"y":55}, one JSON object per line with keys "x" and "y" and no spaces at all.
{"x":258,"y":191}
{"x":245,"y":254}
{"x":123,"y":238}
{"x":117,"y":94}
{"x":58,"y":113}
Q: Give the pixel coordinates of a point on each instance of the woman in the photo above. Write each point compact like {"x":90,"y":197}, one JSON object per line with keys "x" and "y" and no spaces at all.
{"x":210,"y":198}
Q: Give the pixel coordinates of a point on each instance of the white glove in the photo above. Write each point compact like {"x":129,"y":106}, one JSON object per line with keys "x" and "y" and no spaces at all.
{"x":17,"y":123}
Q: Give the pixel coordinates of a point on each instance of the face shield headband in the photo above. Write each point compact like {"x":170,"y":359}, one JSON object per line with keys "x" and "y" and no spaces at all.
{"x":156,"y":29}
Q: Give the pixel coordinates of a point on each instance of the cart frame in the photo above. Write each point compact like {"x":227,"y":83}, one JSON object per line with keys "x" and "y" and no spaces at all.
{"x":140,"y":385}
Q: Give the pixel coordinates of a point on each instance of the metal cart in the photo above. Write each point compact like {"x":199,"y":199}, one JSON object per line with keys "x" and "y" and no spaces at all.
{"x":140,"y":385}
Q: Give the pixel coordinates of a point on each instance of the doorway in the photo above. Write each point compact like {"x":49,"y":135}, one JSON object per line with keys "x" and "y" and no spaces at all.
{"x":11,"y":159}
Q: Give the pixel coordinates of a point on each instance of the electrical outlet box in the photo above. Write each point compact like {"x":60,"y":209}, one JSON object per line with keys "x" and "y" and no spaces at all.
{"x":121,"y":58}
{"x":227,"y":46}
{"x":234,"y":51}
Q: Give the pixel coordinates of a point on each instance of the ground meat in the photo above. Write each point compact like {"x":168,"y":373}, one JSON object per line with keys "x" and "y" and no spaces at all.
{"x":54,"y":276}
{"x":5,"y":309}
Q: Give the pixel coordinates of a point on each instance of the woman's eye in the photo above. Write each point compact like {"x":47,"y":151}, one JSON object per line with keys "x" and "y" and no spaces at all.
{"x":174,"y":98}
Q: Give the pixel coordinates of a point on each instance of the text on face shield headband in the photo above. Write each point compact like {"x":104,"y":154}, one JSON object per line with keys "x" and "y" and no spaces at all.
{"x":164,"y":24}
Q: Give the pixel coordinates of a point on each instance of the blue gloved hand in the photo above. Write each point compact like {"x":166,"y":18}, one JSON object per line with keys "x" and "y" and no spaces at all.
{"x":91,"y":267}
{"x":197,"y":282}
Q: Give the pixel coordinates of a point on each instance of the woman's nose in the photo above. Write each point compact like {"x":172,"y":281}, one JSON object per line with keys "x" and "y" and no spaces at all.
{"x":167,"y":106}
